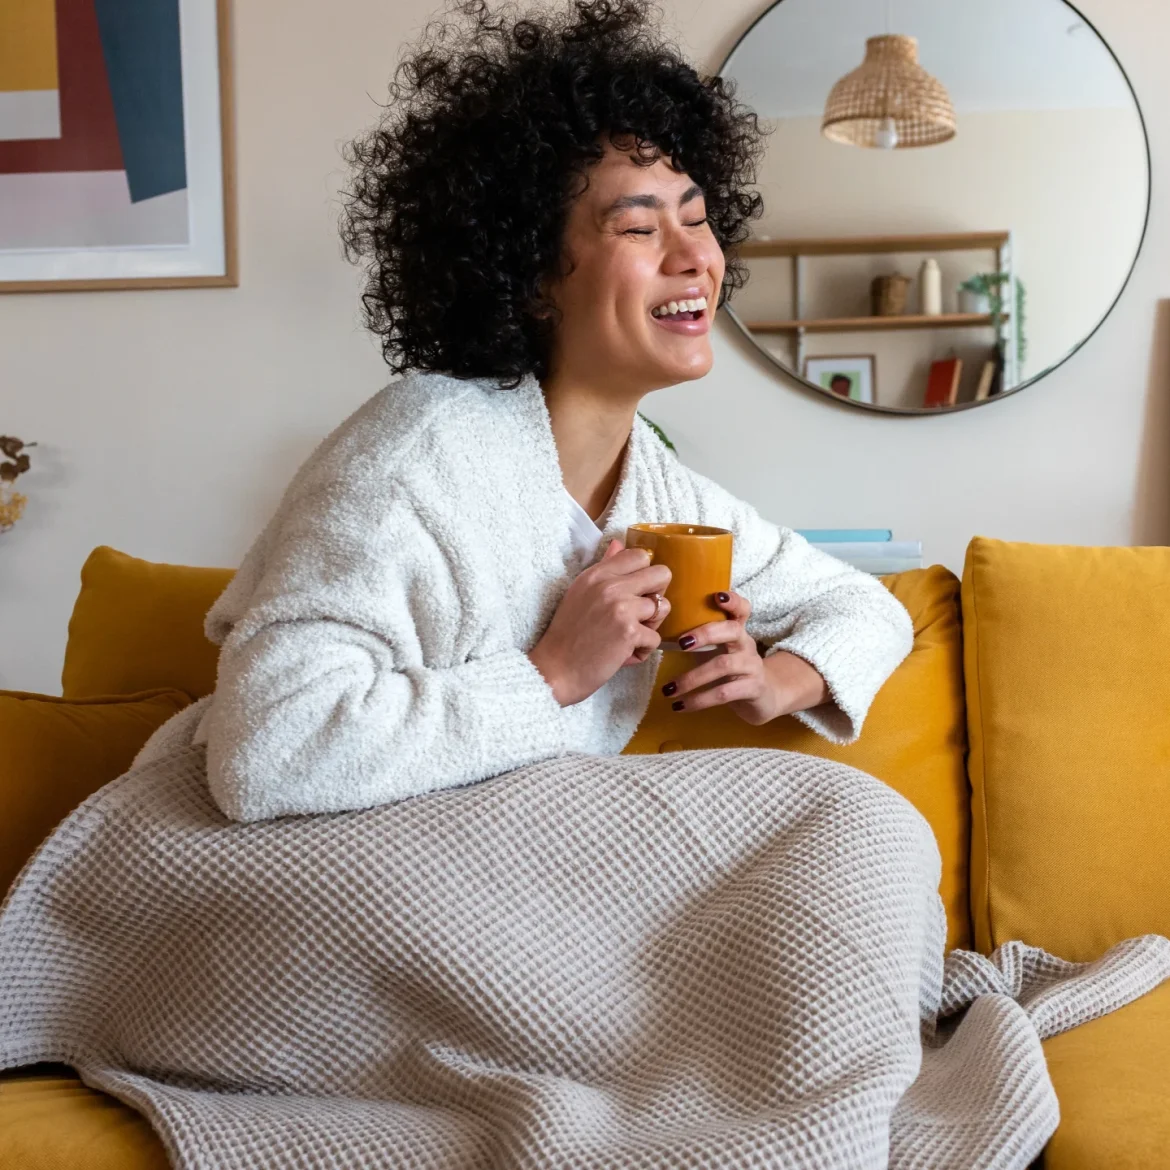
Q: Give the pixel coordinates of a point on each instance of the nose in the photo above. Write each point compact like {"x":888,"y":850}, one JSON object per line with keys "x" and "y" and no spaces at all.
{"x":689,"y":253}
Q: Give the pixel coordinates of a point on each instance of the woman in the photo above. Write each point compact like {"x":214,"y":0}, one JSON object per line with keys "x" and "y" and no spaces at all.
{"x":544,"y":211}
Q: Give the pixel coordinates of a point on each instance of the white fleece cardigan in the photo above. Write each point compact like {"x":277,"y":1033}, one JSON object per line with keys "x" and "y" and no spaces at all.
{"x":374,"y":638}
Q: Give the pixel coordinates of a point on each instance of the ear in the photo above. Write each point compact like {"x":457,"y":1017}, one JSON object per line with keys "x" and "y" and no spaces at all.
{"x":547,"y":302}
{"x":543,"y":306}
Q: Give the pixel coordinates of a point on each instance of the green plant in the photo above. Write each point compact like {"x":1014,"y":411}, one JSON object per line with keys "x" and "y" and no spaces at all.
{"x":1021,"y":339}
{"x":657,"y":430}
{"x":989,"y":284}
{"x":985,"y":283}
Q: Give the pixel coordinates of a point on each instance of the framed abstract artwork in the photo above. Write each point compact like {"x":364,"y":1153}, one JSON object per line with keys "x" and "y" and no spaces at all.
{"x":116,"y":145}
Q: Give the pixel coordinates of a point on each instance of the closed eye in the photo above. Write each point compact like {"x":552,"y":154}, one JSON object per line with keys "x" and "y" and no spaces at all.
{"x":650,"y":231}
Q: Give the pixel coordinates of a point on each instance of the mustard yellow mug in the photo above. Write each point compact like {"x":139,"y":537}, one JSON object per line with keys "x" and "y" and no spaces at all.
{"x":699,"y":559}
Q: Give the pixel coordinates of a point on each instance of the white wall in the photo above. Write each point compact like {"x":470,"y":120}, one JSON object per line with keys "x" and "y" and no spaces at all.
{"x":169,"y":422}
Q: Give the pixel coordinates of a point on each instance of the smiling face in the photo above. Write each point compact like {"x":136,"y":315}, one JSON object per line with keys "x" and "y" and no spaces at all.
{"x":639,"y":254}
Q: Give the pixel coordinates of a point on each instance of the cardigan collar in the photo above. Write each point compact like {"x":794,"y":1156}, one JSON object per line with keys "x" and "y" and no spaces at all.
{"x":538,"y":424}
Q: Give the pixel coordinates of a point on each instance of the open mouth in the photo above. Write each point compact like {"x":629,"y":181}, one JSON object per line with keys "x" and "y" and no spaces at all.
{"x":686,"y":310}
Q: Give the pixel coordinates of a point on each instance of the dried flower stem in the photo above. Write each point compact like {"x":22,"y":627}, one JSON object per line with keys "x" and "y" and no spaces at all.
{"x":12,"y":502}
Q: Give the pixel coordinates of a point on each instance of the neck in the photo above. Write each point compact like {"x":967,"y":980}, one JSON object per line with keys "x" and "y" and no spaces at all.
{"x":591,"y":430}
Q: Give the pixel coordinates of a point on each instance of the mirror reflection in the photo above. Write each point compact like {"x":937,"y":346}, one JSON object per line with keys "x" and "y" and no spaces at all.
{"x":954,"y":194}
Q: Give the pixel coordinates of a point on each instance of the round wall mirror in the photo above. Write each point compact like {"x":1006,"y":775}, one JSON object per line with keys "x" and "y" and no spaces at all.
{"x":955,"y":193}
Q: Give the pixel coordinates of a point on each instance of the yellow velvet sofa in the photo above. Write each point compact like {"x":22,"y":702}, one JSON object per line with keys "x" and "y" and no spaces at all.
{"x":1030,"y":725}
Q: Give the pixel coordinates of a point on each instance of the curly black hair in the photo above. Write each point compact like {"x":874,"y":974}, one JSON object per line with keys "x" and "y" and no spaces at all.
{"x":460,"y":193}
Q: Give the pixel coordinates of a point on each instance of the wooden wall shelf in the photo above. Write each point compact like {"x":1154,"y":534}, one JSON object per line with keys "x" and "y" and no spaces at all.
{"x":878,"y":324}
{"x":861,"y":245}
{"x":800,"y":254}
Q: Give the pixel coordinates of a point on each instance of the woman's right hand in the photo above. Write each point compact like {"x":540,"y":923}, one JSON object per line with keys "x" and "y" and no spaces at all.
{"x":606,"y":620}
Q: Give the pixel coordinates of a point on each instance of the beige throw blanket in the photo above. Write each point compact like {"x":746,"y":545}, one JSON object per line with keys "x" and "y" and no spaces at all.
{"x":713,"y":959}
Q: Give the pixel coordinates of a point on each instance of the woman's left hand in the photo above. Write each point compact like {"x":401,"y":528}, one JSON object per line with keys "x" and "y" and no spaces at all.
{"x":736,"y":675}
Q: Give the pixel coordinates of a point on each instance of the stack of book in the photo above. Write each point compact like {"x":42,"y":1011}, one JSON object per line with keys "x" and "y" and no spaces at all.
{"x":873,"y":550}
{"x":942,"y":385}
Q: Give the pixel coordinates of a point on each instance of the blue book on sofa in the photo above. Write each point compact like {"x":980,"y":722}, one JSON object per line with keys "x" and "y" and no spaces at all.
{"x":836,"y":535}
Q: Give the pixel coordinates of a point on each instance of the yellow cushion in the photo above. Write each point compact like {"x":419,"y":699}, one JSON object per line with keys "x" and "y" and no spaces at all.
{"x":49,"y":1120}
{"x":59,"y":751}
{"x":137,"y":624}
{"x":914,"y":737}
{"x":1112,"y":1079}
{"x":1068,"y":694}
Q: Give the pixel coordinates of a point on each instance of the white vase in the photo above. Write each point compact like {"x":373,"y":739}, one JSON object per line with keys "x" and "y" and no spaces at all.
{"x":973,"y":302}
{"x":930,"y":288}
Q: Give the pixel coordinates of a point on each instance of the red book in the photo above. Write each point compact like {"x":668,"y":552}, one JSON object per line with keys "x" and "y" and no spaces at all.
{"x":942,"y":387}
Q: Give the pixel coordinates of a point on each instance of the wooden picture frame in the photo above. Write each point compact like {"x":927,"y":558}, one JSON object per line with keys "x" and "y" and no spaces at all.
{"x":70,"y":220}
{"x":858,"y":370}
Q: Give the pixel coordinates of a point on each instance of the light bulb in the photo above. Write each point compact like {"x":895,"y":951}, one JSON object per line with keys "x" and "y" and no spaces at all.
{"x":885,"y":137}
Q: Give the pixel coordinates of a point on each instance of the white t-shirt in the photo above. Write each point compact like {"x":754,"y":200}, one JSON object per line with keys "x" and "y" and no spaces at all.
{"x":585,"y":534}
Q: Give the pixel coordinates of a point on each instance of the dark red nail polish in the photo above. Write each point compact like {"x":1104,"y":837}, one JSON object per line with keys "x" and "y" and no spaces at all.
{"x":724,"y":597}
{"x":677,"y":705}
{"x":670,"y":688}
{"x":687,"y":641}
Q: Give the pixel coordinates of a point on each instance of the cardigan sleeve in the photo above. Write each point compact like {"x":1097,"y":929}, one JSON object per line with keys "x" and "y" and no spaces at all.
{"x":325,"y":698}
{"x":843,"y":622}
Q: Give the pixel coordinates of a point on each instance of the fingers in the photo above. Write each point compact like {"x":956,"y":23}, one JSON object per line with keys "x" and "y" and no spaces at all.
{"x":733,"y":671}
{"x":712,"y":634}
{"x":738,"y":609}
{"x":647,"y":581}
{"x":646,"y":641}
{"x":651,"y":622}
{"x":716,"y":668}
{"x":651,"y":607}
{"x":736,"y":604}
{"x":634,"y":566}
{"x":727,"y":691}
{"x":632,"y":561}
{"x":628,"y":559}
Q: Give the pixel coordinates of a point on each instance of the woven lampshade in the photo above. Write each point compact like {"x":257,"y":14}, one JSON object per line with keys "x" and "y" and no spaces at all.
{"x":889,"y":84}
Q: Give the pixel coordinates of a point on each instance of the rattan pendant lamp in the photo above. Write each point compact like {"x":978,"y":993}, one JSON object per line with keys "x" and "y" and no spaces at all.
{"x":889,"y":100}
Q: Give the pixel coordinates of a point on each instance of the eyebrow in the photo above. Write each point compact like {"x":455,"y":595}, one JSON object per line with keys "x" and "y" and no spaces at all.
{"x":625,"y":202}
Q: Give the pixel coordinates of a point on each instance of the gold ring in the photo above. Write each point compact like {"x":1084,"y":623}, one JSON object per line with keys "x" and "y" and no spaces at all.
{"x":657,"y":606}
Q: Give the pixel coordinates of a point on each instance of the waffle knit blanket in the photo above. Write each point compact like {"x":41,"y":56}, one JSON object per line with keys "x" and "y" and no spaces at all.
{"x":727,"y":958}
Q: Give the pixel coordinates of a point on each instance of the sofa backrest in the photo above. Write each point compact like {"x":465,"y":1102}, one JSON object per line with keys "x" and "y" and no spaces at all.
{"x":138,"y":624}
{"x":1068,"y":691}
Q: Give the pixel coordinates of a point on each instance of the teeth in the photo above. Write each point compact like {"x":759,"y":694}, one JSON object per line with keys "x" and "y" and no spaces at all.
{"x":671,"y":307}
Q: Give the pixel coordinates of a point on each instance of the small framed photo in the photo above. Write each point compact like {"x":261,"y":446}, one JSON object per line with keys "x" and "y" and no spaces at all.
{"x":851,"y":376}
{"x":116,"y":151}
